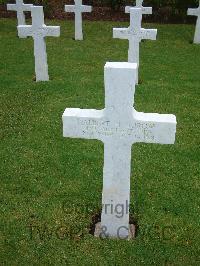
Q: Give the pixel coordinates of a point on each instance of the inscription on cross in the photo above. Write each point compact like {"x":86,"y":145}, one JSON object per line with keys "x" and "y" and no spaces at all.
{"x":134,"y":33}
{"x":196,"y":12}
{"x":78,"y":9}
{"x":39,"y":31}
{"x":20,"y":7}
{"x":118,"y":126}
{"x":139,"y":4}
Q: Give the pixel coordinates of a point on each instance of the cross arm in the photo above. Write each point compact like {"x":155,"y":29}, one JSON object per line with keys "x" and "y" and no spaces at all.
{"x":85,"y":8}
{"x":53,"y":31}
{"x":121,"y":33}
{"x":148,"y":34}
{"x":25,"y":30}
{"x":155,"y":128}
{"x":145,"y":10}
{"x":82,"y":123}
{"x":193,"y":12}
{"x":11,"y":7}
{"x":70,"y":8}
{"x":27,"y":7}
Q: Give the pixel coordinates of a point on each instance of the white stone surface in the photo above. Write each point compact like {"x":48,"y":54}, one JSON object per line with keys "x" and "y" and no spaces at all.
{"x":196,"y":12}
{"x":118,"y":126}
{"x":139,"y":4}
{"x":20,"y":7}
{"x":78,"y":9}
{"x":39,"y":31}
{"x":134,"y":34}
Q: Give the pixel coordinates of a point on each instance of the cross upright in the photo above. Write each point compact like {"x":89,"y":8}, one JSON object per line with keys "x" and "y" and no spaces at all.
{"x":78,"y":9}
{"x":134,"y":33}
{"x":118,"y":126}
{"x":139,"y":4}
{"x":196,"y":12}
{"x":39,"y":31}
{"x":20,"y":7}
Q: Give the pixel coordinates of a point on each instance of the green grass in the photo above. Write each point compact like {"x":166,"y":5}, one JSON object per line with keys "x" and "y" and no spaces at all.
{"x":46,"y":180}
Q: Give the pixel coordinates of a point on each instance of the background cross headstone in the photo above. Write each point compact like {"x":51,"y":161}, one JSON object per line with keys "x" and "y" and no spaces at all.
{"x":20,"y":7}
{"x":139,"y":4}
{"x":196,"y":12}
{"x":78,"y":9}
{"x":39,"y":31}
{"x":134,"y":34}
{"x":118,"y":126}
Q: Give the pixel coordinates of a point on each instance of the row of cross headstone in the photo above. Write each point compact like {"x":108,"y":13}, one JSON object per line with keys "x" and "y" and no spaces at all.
{"x":118,"y":125}
{"x":78,"y":8}
{"x":134,"y":33}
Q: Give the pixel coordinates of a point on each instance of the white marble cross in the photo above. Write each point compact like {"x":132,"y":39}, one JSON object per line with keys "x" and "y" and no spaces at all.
{"x":134,"y":34}
{"x":39,"y":31}
{"x":118,"y":126}
{"x":78,"y":9}
{"x":20,"y":7}
{"x":145,"y":10}
{"x":196,"y":12}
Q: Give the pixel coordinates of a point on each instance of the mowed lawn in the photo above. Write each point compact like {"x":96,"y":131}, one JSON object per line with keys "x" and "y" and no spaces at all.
{"x":51,"y":186}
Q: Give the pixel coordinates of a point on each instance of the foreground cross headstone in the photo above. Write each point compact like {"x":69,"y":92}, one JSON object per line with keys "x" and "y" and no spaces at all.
{"x":78,"y":9}
{"x":39,"y":31}
{"x":118,"y":126}
{"x":134,"y":34}
{"x":196,"y":12}
{"x":20,"y":8}
{"x":145,"y":10}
